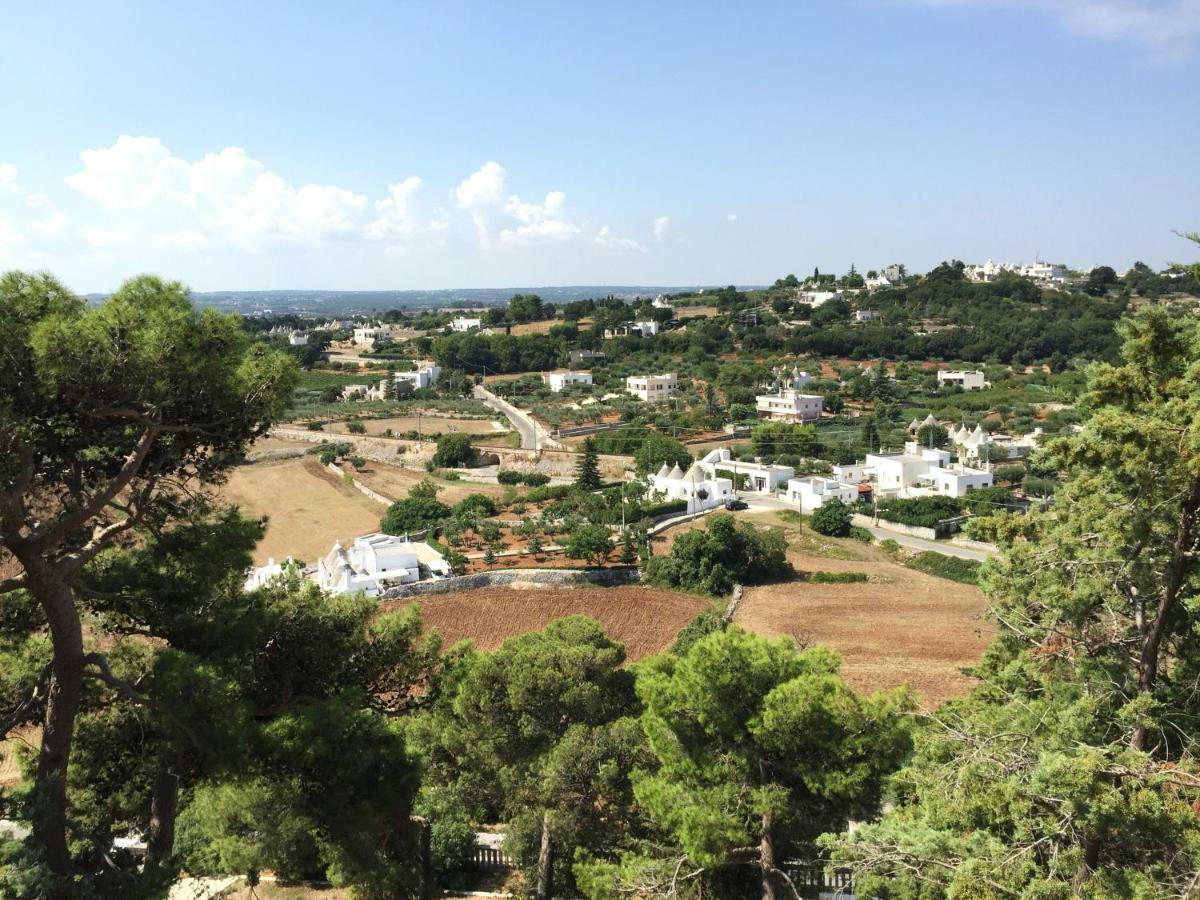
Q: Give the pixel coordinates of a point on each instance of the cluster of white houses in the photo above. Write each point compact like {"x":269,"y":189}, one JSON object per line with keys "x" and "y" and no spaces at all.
{"x":370,"y":565}
{"x":1039,"y":271}
{"x":914,"y":472}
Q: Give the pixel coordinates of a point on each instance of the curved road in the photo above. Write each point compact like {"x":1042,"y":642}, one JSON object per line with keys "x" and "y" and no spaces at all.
{"x":533,"y":435}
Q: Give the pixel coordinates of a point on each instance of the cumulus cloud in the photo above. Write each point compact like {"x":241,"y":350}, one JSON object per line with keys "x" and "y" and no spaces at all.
{"x":732,"y":217}
{"x":505,"y":219}
{"x":662,"y":226}
{"x":1169,"y":29}
{"x":137,"y":195}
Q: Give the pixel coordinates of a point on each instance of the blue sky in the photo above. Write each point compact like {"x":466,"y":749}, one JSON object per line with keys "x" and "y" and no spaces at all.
{"x":405,"y":145}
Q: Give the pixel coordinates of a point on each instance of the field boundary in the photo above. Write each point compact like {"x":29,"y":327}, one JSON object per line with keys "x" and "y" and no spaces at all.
{"x":510,"y":577}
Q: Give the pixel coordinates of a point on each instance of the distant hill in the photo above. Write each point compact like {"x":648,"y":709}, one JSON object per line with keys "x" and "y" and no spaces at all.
{"x":346,"y":302}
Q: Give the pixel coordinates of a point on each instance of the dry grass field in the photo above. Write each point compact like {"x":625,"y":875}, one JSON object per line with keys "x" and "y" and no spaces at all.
{"x":901,"y":626}
{"x":395,"y":482}
{"x":307,"y":507}
{"x":644,"y":619}
{"x":427,"y":424}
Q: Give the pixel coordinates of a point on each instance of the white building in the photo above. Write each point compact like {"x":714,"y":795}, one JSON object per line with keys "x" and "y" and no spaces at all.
{"x":425,"y":375}
{"x":972,"y":444}
{"x":258,"y":576}
{"x":968,"y":381}
{"x":759,"y":477}
{"x":297,"y":339}
{"x":1041,"y":272}
{"x":796,"y":378}
{"x":697,"y":487}
{"x":561,"y":379}
{"x":877,"y":283}
{"x":648,"y":328}
{"x":813,"y":492}
{"x":376,"y":562}
{"x":894,"y":272}
{"x":817,"y":298}
{"x":660,"y":302}
{"x":652,"y":388}
{"x":917,"y":472}
{"x":461,"y":324}
{"x":371,"y":334}
{"x":789,"y":405}
{"x":865,"y":315}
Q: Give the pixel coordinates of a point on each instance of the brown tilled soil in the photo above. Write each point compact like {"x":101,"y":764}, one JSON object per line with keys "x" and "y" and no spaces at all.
{"x":644,"y":619}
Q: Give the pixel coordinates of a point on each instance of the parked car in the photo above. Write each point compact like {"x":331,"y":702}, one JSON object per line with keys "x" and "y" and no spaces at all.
{"x":734,"y":505}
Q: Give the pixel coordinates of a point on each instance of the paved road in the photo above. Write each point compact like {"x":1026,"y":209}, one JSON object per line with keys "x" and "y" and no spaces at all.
{"x":533,"y":435}
{"x":770,"y":504}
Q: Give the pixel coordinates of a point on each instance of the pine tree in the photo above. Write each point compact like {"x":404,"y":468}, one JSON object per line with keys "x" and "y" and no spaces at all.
{"x":587,"y":473}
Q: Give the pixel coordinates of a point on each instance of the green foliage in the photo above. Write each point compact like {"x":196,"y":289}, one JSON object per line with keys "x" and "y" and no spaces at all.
{"x":926,"y":512}
{"x":1061,"y":774}
{"x":475,"y":506}
{"x":453,"y":450}
{"x":590,"y":542}
{"x":774,"y":439}
{"x":587,"y":470}
{"x":951,"y":567}
{"x":701,"y":626}
{"x":712,"y":560}
{"x":356,"y":427}
{"x":419,"y":511}
{"x":656,"y":449}
{"x":540,"y":726}
{"x":831,"y":518}
{"x":837,"y":577}
{"x":755,"y":741}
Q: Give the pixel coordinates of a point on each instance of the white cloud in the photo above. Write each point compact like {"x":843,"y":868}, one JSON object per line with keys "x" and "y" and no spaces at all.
{"x":605,"y":238}
{"x":26,"y":215}
{"x":732,"y":217}
{"x":662,"y":225}
{"x":136,"y":202}
{"x":507,"y":220}
{"x":1169,"y":29}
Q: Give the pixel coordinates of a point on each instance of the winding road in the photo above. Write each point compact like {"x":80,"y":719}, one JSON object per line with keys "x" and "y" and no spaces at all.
{"x":533,"y":435}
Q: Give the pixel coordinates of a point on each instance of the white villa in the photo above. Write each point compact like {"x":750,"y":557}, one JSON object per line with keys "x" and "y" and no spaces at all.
{"x":648,"y":328}
{"x":562,"y":378}
{"x":297,"y":339}
{"x":878,"y":282}
{"x":652,"y":388}
{"x":425,"y":375}
{"x":790,"y":405}
{"x":375,"y":562}
{"x":916,"y":472}
{"x":796,"y":378}
{"x":696,"y":486}
{"x":461,"y":324}
{"x":968,"y":381}
{"x":865,"y":315}
{"x":817,"y":298}
{"x":371,"y":334}
{"x":760,"y":477}
{"x":813,"y":492}
{"x":660,"y":302}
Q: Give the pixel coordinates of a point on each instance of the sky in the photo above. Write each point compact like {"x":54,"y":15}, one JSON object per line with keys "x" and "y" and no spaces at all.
{"x":373,"y":145}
